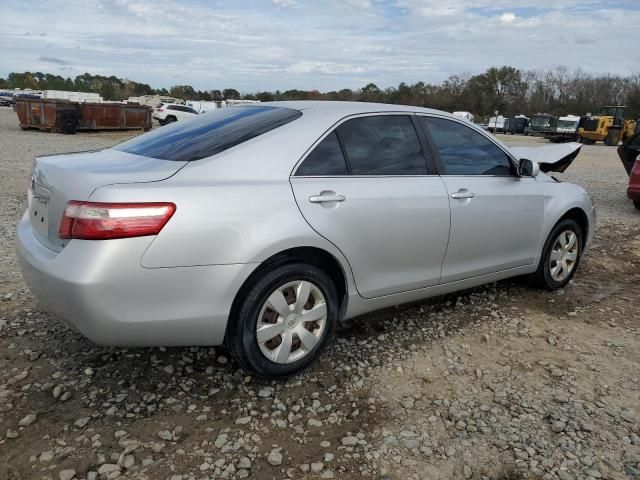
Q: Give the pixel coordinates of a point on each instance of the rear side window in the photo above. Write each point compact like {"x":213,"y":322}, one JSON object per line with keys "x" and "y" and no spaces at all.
{"x":209,"y":134}
{"x":325,"y":160}
{"x":463,"y":151}
{"x":382,"y":145}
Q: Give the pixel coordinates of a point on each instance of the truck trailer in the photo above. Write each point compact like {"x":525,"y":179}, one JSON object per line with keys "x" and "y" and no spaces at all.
{"x":567,"y":129}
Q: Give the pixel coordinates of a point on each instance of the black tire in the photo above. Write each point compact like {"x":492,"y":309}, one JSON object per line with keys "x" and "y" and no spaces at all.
{"x":542,"y":277}
{"x":241,"y":338}
{"x":170,"y":119}
{"x":612,"y":138}
{"x":636,"y":203}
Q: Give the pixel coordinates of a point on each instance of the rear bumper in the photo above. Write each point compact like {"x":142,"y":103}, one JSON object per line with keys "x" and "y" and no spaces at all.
{"x":100,"y":289}
{"x":633,"y":192}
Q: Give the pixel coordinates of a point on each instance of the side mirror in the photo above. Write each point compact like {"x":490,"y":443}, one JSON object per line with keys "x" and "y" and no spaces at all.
{"x":528,"y":168}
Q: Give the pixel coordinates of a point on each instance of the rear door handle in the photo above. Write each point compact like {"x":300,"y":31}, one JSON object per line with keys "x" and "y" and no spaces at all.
{"x":327,"y":197}
{"x":462,"y":193}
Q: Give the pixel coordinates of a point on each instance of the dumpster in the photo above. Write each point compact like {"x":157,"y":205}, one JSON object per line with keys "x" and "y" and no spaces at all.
{"x":65,"y":116}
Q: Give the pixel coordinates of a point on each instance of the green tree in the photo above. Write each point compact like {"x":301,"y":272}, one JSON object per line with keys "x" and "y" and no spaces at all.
{"x":231,"y":93}
{"x":265,"y":96}
{"x":184,"y":92}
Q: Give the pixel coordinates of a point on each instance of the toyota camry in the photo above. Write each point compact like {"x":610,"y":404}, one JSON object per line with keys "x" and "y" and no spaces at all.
{"x":260,"y":227}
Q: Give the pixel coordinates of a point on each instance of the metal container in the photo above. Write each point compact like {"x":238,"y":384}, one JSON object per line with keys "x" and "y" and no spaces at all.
{"x":62,"y":115}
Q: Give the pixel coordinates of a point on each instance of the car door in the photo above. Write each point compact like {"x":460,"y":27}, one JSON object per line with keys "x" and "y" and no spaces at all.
{"x":367,"y":188}
{"x":181,"y":112}
{"x":496,"y":215}
{"x":629,"y":151}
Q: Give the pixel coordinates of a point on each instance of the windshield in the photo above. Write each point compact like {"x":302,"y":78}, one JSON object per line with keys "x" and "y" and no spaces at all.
{"x":607,"y":111}
{"x":540,"y":121}
{"x":208,"y":134}
{"x":573,"y":124}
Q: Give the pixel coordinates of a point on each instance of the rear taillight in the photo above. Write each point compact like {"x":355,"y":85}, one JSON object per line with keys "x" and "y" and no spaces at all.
{"x":103,"y":221}
{"x":159,"y":110}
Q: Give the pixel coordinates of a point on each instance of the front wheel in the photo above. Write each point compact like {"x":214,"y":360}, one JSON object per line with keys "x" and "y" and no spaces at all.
{"x":284,"y":321}
{"x":613,"y":137}
{"x":560,"y":256}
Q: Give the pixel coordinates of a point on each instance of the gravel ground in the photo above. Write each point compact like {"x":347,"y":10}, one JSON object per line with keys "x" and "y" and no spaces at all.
{"x":502,"y":381}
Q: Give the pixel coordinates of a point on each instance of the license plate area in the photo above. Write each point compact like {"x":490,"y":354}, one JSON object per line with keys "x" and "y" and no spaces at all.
{"x":39,"y":214}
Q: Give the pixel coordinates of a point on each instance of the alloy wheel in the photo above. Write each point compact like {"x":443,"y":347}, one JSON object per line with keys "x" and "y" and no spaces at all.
{"x":291,"y":322}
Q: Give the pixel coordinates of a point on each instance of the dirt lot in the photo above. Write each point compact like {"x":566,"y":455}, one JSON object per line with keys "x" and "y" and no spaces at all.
{"x":501,"y":381}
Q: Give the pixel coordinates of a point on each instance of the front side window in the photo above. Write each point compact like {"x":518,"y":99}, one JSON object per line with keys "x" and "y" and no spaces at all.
{"x":464,"y":151}
{"x":209,"y":134}
{"x":325,"y":160}
{"x":382,"y":145}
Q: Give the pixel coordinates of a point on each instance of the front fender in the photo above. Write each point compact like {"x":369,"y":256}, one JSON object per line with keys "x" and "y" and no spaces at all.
{"x":560,"y":199}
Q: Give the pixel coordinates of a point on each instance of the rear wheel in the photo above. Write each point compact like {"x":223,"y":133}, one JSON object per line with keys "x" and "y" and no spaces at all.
{"x":170,"y":119}
{"x":636,"y":203}
{"x":560,"y":256}
{"x":284,"y":321}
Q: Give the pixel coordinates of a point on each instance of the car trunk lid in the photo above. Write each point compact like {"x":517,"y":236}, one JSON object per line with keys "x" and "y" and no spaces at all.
{"x":57,"y":179}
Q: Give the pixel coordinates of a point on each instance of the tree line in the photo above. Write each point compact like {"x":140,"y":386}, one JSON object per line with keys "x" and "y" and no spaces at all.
{"x":509,"y":90}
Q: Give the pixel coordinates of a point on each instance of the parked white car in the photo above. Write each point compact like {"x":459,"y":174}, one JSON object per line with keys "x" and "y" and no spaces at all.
{"x":172,"y":112}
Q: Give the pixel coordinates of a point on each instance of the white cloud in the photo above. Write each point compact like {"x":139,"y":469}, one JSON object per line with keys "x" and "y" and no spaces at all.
{"x":327,"y":68}
{"x":507,"y":17}
{"x":253,"y":45}
{"x":283,"y":3}
{"x":361,"y":4}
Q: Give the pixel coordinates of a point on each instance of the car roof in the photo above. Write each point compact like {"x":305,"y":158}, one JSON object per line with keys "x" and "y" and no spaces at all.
{"x":338,"y":108}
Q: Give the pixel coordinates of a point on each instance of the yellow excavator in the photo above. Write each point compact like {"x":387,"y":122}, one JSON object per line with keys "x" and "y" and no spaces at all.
{"x":609,"y":126}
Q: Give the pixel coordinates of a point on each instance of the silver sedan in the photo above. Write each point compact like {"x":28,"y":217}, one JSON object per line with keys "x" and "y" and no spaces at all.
{"x":260,"y":227}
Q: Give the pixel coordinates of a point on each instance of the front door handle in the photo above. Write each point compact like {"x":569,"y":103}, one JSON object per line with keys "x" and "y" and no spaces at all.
{"x":462,"y":193}
{"x":326,"y":197}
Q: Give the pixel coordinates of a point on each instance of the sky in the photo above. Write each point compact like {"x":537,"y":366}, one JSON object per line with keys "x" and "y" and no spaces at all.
{"x":254,"y":45}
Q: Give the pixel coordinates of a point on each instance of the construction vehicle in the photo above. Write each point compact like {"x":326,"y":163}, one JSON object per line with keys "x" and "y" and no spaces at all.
{"x":609,"y":126}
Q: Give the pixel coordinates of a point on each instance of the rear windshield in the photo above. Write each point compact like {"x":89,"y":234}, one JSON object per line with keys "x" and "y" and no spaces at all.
{"x":209,"y":133}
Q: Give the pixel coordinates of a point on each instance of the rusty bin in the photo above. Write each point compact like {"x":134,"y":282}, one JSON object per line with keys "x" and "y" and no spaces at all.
{"x":46,"y":115}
